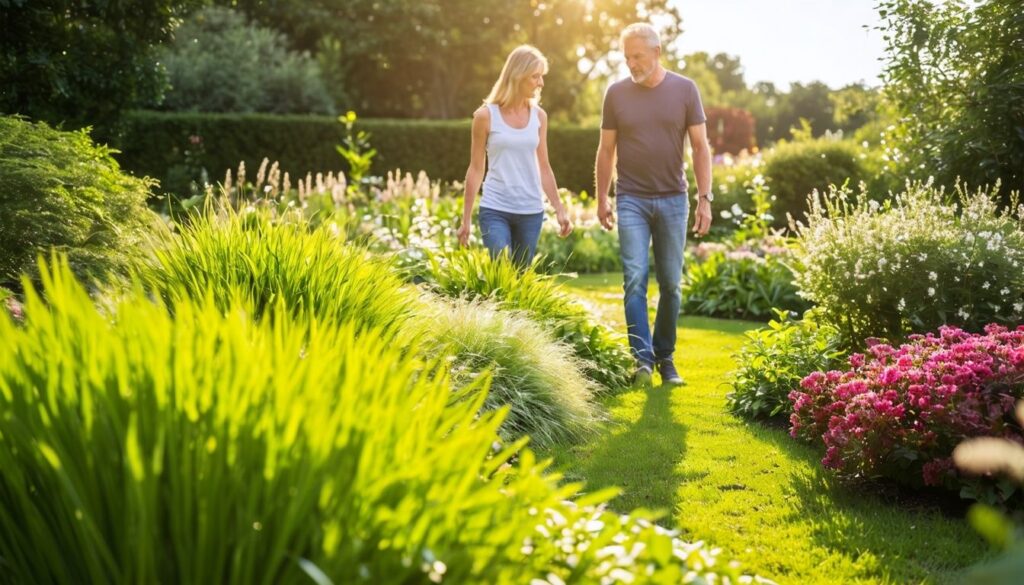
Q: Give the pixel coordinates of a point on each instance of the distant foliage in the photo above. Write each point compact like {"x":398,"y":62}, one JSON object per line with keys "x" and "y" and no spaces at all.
{"x":82,"y":63}
{"x":730,"y":130}
{"x":218,"y":62}
{"x":61,"y":190}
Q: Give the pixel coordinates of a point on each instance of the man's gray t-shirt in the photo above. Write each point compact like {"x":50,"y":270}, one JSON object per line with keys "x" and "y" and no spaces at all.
{"x":651,"y":125}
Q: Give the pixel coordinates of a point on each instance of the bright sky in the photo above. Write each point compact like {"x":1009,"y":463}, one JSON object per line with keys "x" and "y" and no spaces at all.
{"x":788,"y":40}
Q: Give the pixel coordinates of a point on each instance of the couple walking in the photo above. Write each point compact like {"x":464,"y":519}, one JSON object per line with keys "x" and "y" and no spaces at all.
{"x":645,"y":122}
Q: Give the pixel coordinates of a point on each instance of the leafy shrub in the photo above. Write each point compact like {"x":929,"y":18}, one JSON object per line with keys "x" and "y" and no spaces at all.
{"x":913,"y":263}
{"x":795,"y":169}
{"x":472,"y":274}
{"x":205,"y":447}
{"x":313,"y":272}
{"x":60,"y":190}
{"x":537,"y":378}
{"x":901,"y":410}
{"x":218,"y":62}
{"x":774,"y":360}
{"x":745,"y":282}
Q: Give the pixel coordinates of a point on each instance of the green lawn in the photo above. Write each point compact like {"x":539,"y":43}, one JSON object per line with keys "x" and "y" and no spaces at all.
{"x":749,"y":489}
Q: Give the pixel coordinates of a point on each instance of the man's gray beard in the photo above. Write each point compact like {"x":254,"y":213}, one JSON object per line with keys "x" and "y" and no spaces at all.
{"x":642,"y":78}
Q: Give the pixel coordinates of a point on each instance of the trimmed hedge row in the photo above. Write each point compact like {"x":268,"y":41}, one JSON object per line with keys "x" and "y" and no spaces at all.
{"x":173,"y":146}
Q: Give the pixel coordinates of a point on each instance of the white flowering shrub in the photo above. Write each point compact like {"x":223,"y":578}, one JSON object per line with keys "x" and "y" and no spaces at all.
{"x":920,"y":260}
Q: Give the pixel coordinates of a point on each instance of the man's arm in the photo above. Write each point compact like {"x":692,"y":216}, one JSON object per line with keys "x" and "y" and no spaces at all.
{"x":698,"y":134}
{"x":603,"y":172}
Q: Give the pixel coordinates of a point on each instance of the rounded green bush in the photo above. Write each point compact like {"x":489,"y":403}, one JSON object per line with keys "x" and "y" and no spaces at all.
{"x":795,"y":169}
{"x":59,"y":190}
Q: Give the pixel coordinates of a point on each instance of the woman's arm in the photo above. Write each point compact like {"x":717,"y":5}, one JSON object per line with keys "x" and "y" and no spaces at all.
{"x":475,"y":172}
{"x":547,"y":178}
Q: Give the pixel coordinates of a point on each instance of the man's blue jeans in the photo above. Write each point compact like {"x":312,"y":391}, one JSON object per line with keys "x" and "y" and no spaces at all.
{"x":516,"y":232}
{"x":641,"y":221}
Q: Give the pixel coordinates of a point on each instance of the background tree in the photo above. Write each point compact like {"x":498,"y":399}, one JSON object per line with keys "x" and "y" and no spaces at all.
{"x":220,"y":63}
{"x":438,"y":58}
{"x":955,"y":73}
{"x":82,"y":63}
{"x":854,"y":106}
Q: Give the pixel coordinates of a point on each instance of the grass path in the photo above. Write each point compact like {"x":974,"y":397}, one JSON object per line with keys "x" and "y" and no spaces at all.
{"x":750,"y":489}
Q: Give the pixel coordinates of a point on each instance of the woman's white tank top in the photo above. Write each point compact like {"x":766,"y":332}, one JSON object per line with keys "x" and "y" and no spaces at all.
{"x":512,"y":183}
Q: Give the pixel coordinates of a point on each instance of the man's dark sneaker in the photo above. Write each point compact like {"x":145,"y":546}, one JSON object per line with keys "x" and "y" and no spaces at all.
{"x":668,"y":372}
{"x":642,"y":377}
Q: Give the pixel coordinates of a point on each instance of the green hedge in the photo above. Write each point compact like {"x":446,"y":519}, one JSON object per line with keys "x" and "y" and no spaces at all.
{"x":161,"y":145}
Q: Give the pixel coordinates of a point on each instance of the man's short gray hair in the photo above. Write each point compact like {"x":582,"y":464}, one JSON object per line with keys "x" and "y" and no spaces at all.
{"x":641,"y":30}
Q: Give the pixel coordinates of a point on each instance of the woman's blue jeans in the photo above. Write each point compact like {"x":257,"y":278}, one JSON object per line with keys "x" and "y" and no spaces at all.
{"x":643,"y":220}
{"x":516,"y":232}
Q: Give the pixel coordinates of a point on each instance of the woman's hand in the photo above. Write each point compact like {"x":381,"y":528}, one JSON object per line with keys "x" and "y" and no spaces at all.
{"x":564,"y":224}
{"x":464,"y":232}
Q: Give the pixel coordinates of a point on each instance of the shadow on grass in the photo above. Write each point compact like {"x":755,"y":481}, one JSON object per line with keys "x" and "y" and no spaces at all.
{"x":895,"y":534}
{"x":640,"y":456}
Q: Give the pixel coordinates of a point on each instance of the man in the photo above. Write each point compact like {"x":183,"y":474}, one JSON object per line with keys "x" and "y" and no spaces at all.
{"x":645,"y":122}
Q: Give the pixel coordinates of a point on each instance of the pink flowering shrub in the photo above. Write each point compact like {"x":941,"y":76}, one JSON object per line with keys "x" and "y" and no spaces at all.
{"x":900,"y":411}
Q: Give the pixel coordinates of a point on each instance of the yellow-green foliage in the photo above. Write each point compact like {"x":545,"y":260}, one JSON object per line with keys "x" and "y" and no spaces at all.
{"x":141,"y":445}
{"x":313,"y":270}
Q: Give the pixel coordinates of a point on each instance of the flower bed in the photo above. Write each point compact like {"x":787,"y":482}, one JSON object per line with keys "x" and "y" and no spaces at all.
{"x":900,"y":411}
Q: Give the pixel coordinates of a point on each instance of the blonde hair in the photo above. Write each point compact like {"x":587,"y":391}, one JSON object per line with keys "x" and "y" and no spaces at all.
{"x":522,"y":62}
{"x":641,"y":30}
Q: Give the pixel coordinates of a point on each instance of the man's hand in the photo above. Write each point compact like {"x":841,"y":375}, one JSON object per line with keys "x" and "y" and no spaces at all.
{"x":564,"y":224}
{"x":606,"y":214}
{"x":702,"y":223}
{"x":464,"y":230}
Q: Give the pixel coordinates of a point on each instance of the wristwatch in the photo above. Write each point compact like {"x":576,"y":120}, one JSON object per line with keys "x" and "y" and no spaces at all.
{"x":710,"y":196}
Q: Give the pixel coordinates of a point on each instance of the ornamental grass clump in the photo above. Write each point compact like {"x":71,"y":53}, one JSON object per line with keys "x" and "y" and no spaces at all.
{"x":312,"y":270}
{"x":145,"y":445}
{"x":913,"y":263}
{"x":472,"y":274}
{"x":537,"y":378}
{"x":900,"y":411}
{"x":59,"y":190}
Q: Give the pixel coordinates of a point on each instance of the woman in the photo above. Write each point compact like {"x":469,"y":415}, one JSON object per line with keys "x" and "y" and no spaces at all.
{"x":510,"y":133}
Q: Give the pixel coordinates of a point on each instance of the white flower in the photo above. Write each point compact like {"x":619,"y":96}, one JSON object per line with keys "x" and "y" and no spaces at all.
{"x":1018,"y":307}
{"x":931,"y":291}
{"x":985,"y":285}
{"x":963,"y":313}
{"x":933,"y":276}
{"x":902,"y":304}
{"x":1004,"y":292}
